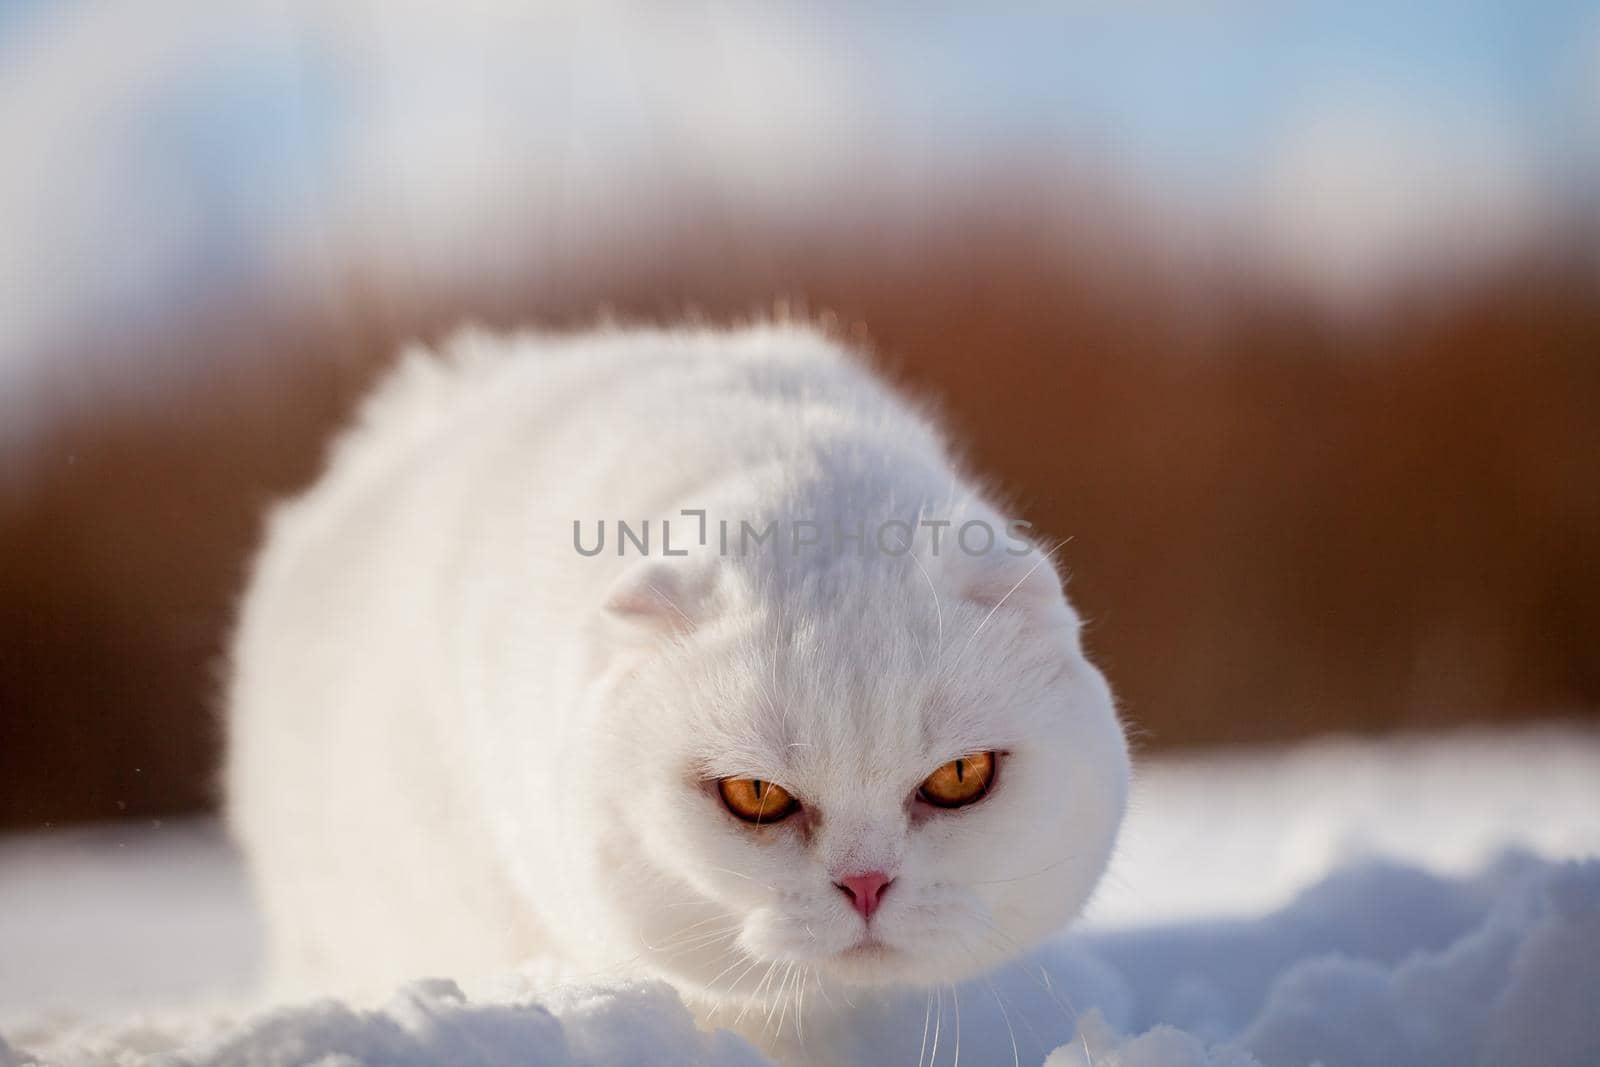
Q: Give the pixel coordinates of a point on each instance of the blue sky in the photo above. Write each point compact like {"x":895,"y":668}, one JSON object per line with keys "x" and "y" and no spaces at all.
{"x":1196,"y":92}
{"x":1204,"y":92}
{"x":155,"y":151}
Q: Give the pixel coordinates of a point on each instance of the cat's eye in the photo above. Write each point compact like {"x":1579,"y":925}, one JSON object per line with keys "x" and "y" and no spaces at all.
{"x":754,"y":800}
{"x":959,"y":782}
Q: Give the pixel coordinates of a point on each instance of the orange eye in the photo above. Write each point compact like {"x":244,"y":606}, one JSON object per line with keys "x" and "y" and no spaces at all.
{"x":754,"y":800}
{"x":959,"y":782}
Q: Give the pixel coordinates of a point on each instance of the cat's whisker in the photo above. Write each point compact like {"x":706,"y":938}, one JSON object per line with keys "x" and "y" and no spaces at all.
{"x":772,"y":680}
{"x":955,"y":994}
{"x":703,"y":922}
{"x":704,"y":941}
{"x":1016,"y":1054}
{"x":793,"y":992}
{"x":797,"y":994}
{"x":746,"y":877}
{"x":1083,"y":1038}
{"x":822,"y":988}
{"x":694,"y":931}
{"x":756,"y":992}
{"x":937,"y":606}
{"x":792,"y":1001}
{"x":784,"y":993}
{"x":774,"y":996}
{"x":665,"y":599}
{"x":698,"y":941}
{"x":686,"y":902}
{"x":1042,"y":976}
{"x":766,"y":998}
{"x":755,"y":961}
{"x":1001,"y":602}
{"x":706,"y":922}
{"x":1068,"y":858}
{"x":734,"y":950}
{"x":743,"y":1011}
{"x":768,"y":691}
{"x":1039,"y":1042}
{"x":786,"y":998}
{"x":927,"y":1019}
{"x":712,"y":985}
{"x":807,"y":973}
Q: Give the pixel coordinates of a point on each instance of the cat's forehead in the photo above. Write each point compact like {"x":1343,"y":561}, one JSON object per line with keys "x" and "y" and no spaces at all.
{"x":826,"y":698}
{"x":868,"y":666}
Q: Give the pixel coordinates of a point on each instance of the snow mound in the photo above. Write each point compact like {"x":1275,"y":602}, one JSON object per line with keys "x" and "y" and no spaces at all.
{"x":1517,"y":988}
{"x":1520,"y":989}
{"x":1380,"y":964}
{"x":427,"y":1023}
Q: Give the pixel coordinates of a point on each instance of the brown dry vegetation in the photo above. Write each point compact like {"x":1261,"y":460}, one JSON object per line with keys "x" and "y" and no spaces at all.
{"x":1281,"y":522}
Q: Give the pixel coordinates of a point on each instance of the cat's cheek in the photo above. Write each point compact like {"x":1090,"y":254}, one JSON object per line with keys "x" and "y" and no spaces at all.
{"x":937,"y":930}
{"x":766,"y":934}
{"x":773,"y":933}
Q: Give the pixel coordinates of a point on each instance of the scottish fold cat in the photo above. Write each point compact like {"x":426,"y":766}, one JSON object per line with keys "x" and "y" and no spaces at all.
{"x":690,"y":653}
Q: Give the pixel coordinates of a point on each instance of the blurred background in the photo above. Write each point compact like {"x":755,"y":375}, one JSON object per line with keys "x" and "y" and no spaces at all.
{"x":1287,"y":314}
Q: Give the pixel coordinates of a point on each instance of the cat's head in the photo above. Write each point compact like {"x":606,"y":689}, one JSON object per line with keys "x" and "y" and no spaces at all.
{"x":887,"y":769}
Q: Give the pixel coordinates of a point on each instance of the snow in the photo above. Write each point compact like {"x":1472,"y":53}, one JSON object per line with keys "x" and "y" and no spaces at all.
{"x":1352,"y":903}
{"x":430,"y":1022}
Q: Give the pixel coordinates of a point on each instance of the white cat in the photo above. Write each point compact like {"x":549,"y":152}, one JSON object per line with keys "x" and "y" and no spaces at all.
{"x":825,"y":721}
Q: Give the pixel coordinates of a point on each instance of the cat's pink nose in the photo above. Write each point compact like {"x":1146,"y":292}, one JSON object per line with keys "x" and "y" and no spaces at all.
{"x":866,"y":890}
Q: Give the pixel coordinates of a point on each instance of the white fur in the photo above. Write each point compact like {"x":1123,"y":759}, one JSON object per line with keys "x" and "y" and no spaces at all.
{"x":457,"y":744}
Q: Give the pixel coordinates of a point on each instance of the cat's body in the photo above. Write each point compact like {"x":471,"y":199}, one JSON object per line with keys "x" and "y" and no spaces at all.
{"x":457,"y":742}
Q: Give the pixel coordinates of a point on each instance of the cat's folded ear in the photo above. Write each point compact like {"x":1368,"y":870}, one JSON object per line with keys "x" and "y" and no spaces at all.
{"x":663,"y":597}
{"x":1022,"y":582}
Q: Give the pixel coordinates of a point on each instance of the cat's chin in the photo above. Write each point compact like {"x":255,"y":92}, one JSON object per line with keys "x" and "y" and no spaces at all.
{"x":902,"y":952}
{"x":876,"y":964}
{"x":870,"y":963}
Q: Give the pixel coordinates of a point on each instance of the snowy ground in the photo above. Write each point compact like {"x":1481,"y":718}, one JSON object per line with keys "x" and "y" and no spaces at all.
{"x":1355,"y":903}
